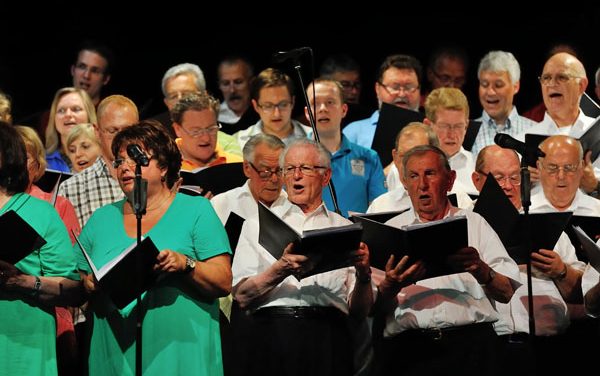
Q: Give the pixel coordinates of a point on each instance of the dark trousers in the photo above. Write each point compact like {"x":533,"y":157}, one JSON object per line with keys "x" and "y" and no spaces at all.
{"x":466,"y":350}
{"x":287,"y":343}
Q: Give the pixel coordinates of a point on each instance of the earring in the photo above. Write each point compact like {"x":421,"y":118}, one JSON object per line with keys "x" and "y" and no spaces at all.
{"x":163,"y":178}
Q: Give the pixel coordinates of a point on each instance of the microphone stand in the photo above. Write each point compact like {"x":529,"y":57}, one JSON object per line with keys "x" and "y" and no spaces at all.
{"x":311,"y":119}
{"x":526,"y":202}
{"x":139,"y":208}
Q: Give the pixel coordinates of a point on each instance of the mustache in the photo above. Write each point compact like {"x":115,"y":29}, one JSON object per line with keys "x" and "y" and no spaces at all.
{"x":235,"y":97}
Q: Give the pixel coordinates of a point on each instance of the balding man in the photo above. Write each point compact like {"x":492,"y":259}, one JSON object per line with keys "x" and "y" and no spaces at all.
{"x":563,"y":82}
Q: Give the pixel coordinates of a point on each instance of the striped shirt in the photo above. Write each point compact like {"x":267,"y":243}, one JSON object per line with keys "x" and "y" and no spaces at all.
{"x":515,"y":124}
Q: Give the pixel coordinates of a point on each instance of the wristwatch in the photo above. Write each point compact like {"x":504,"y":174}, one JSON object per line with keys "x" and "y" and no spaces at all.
{"x":190,"y":264}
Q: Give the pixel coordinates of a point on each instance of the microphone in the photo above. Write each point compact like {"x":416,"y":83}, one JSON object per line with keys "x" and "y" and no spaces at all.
{"x":281,"y":56}
{"x":135,"y":152}
{"x":508,"y":142}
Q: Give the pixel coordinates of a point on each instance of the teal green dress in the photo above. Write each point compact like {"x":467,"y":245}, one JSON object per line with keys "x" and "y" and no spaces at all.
{"x":28,"y":329}
{"x":180,"y":330}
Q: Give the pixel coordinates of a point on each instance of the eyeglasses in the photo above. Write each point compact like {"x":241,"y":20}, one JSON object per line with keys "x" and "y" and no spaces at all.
{"x":397,"y":89}
{"x":111,"y":131}
{"x":351,"y":85}
{"x":449,"y":81}
{"x":211,"y":131}
{"x":266,"y":174}
{"x":559,"y":79}
{"x":453,"y":127}
{"x":118,"y":162}
{"x":281,"y":106}
{"x":180,"y":94}
{"x":306,"y":170}
{"x":501,"y":179}
{"x":553,"y":169}
{"x":84,"y":67}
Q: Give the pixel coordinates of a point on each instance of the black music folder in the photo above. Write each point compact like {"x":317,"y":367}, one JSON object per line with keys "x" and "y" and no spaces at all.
{"x":332,"y":247}
{"x":545,"y":228}
{"x":19,"y":239}
{"x":380,"y":217}
{"x":51,"y":179}
{"x":588,"y":106}
{"x":532,"y":145}
{"x":233,"y":227}
{"x":391,"y":120}
{"x":589,"y":246}
{"x":216,"y":179}
{"x":119,"y":277}
{"x":431,"y":242}
{"x":471,"y":134}
{"x":590,"y":140}
{"x":589,"y":225}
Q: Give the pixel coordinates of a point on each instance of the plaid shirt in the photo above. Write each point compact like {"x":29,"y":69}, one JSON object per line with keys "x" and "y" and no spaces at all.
{"x":90,"y":189}
{"x":515,"y":124}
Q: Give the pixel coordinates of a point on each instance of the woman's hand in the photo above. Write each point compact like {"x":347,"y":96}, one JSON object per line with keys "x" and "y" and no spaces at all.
{"x":170,"y":262}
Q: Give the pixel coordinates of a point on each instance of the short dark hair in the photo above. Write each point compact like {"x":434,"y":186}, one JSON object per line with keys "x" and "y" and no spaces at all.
{"x":155,"y":138}
{"x":102,"y":50}
{"x":401,"y":62}
{"x":338,"y":63}
{"x":14,"y":177}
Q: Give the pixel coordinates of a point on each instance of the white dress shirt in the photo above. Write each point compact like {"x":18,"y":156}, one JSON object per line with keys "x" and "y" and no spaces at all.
{"x":464,"y":164}
{"x":456,"y":299}
{"x":326,"y":289}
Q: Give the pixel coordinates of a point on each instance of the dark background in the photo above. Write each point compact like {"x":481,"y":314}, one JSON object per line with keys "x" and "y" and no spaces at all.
{"x":36,"y":58}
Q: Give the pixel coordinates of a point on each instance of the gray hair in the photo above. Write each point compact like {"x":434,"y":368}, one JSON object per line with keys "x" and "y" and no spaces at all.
{"x":272,"y":142}
{"x":324,"y":154}
{"x":420,"y":150}
{"x":184,"y":68}
{"x":500,"y":61}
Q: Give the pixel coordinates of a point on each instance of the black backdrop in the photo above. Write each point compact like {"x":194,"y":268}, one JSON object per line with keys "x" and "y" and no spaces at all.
{"x":36,"y":57}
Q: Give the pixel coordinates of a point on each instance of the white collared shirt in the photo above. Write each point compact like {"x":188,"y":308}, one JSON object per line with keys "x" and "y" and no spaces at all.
{"x":464,"y":164}
{"x":240,"y":201}
{"x":396,"y":199}
{"x":456,"y":299}
{"x":582,"y":204}
{"x":326,"y":289}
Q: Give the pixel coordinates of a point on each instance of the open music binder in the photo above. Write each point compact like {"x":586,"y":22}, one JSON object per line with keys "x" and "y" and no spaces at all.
{"x":19,"y":239}
{"x":331,"y":247}
{"x":216,"y":179}
{"x":545,"y":228}
{"x":126,"y":276}
{"x":431,"y":242}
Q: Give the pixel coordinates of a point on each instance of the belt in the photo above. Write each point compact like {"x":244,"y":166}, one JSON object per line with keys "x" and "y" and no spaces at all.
{"x":517,"y":337}
{"x":309,"y":312}
{"x":436,"y":334}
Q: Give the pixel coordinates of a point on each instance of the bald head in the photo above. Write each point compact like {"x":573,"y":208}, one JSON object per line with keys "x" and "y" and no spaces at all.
{"x":571,"y":64}
{"x":561,"y":170}
{"x":503,"y":165}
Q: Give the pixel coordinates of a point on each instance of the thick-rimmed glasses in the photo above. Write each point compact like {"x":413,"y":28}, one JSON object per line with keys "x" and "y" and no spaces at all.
{"x":351,"y":85}
{"x":281,"y":106}
{"x":397,"y":89}
{"x":553,"y":169}
{"x":266,"y":174}
{"x":306,"y":170}
{"x":558,"y":79}
{"x":514,"y":180}
{"x":197,"y":132}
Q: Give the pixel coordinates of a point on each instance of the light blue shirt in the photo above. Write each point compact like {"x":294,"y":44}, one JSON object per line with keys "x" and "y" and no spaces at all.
{"x":361,"y":132}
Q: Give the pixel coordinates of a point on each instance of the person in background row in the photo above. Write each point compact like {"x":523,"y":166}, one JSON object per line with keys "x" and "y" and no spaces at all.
{"x":398,"y":83}
{"x":83,"y":147}
{"x":70,"y":106}
{"x":273,"y":99}
{"x":357,"y":175}
{"x":346,"y":70}
{"x":180,"y":330}
{"x":97,"y":186}
{"x":45,"y":278}
{"x":5,"y":108}
{"x":499,"y":76}
{"x":235,"y":75}
{"x":195,"y":123}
